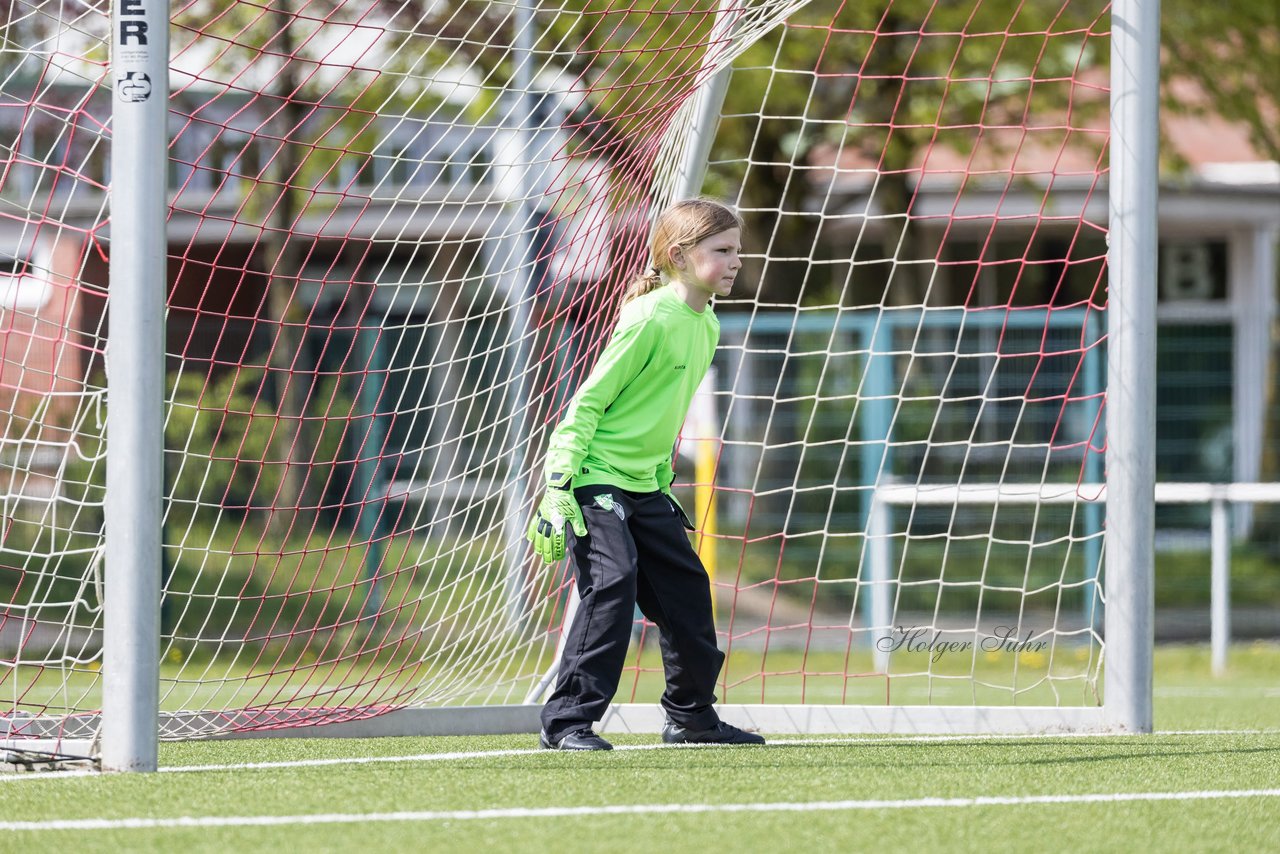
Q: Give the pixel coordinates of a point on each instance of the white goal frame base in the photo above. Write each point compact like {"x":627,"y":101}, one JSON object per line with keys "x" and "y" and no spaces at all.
{"x":64,"y":749}
{"x":635,"y":718}
{"x":797,"y":719}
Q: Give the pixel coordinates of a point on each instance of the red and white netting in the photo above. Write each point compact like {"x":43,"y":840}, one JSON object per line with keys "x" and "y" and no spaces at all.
{"x":398,"y":236}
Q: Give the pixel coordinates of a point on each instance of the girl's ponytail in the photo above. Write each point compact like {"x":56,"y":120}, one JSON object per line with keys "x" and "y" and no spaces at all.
{"x":648,"y":281}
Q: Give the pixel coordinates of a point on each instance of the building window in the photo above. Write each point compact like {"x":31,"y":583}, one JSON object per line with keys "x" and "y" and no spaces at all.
{"x":1193,"y":271}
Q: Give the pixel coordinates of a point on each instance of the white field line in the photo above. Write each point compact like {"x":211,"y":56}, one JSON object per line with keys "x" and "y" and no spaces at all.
{"x":624,"y":809}
{"x":495,"y":754}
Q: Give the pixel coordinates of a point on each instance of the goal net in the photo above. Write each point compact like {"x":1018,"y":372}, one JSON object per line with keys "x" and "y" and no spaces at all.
{"x":397,"y":238}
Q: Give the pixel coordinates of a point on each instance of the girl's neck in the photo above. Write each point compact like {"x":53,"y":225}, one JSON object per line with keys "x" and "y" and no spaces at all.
{"x":695,"y":298}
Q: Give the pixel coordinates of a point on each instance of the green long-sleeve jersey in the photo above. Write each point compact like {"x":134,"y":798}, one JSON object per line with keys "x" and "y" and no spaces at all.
{"x":620,"y":427}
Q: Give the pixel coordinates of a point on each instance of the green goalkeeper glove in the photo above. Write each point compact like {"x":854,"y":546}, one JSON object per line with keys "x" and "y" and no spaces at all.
{"x":547,"y":528}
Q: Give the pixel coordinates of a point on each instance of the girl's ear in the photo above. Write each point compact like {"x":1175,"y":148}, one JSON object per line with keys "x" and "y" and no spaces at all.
{"x":676,"y":255}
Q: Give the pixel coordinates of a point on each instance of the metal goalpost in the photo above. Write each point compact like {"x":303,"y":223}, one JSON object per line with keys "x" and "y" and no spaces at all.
{"x":135,"y":395}
{"x":1131,"y":368}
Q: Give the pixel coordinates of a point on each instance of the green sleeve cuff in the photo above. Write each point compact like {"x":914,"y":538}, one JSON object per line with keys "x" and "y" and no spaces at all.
{"x":559,"y":462}
{"x":666,"y":474}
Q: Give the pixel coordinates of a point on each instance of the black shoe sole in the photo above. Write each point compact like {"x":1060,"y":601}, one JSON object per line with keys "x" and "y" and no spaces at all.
{"x":686,"y":740}
{"x":547,"y":745}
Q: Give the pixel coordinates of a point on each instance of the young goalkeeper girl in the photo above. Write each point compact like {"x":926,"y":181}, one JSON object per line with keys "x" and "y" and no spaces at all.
{"x":608,"y":492}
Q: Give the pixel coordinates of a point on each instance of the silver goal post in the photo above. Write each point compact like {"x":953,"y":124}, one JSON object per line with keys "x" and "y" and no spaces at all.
{"x":135,"y":384}
{"x":1131,"y":364}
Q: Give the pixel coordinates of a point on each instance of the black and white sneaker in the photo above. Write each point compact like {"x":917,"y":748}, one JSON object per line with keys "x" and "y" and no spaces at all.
{"x":578,"y":739}
{"x":721,"y":733}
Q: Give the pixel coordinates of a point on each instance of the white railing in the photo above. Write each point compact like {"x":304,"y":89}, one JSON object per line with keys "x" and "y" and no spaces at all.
{"x":1219,"y":496}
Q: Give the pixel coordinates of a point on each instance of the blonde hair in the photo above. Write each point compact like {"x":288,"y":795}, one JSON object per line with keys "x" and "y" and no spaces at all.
{"x":684,"y":224}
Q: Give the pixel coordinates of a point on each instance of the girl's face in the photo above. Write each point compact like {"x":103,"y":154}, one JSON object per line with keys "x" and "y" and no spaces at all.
{"x":711,"y":264}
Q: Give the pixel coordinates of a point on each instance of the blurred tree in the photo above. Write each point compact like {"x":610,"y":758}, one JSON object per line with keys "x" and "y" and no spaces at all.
{"x":880,"y":85}
{"x":1230,"y":51}
{"x":883,"y":81}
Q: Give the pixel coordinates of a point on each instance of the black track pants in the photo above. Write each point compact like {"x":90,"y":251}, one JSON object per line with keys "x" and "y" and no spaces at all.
{"x":636,"y":552}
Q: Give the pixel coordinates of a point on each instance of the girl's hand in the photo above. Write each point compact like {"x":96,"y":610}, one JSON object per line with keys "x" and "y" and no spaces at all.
{"x":547,"y":528}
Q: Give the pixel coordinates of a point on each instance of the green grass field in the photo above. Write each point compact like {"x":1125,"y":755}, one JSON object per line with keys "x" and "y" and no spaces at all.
{"x":1216,"y":739}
